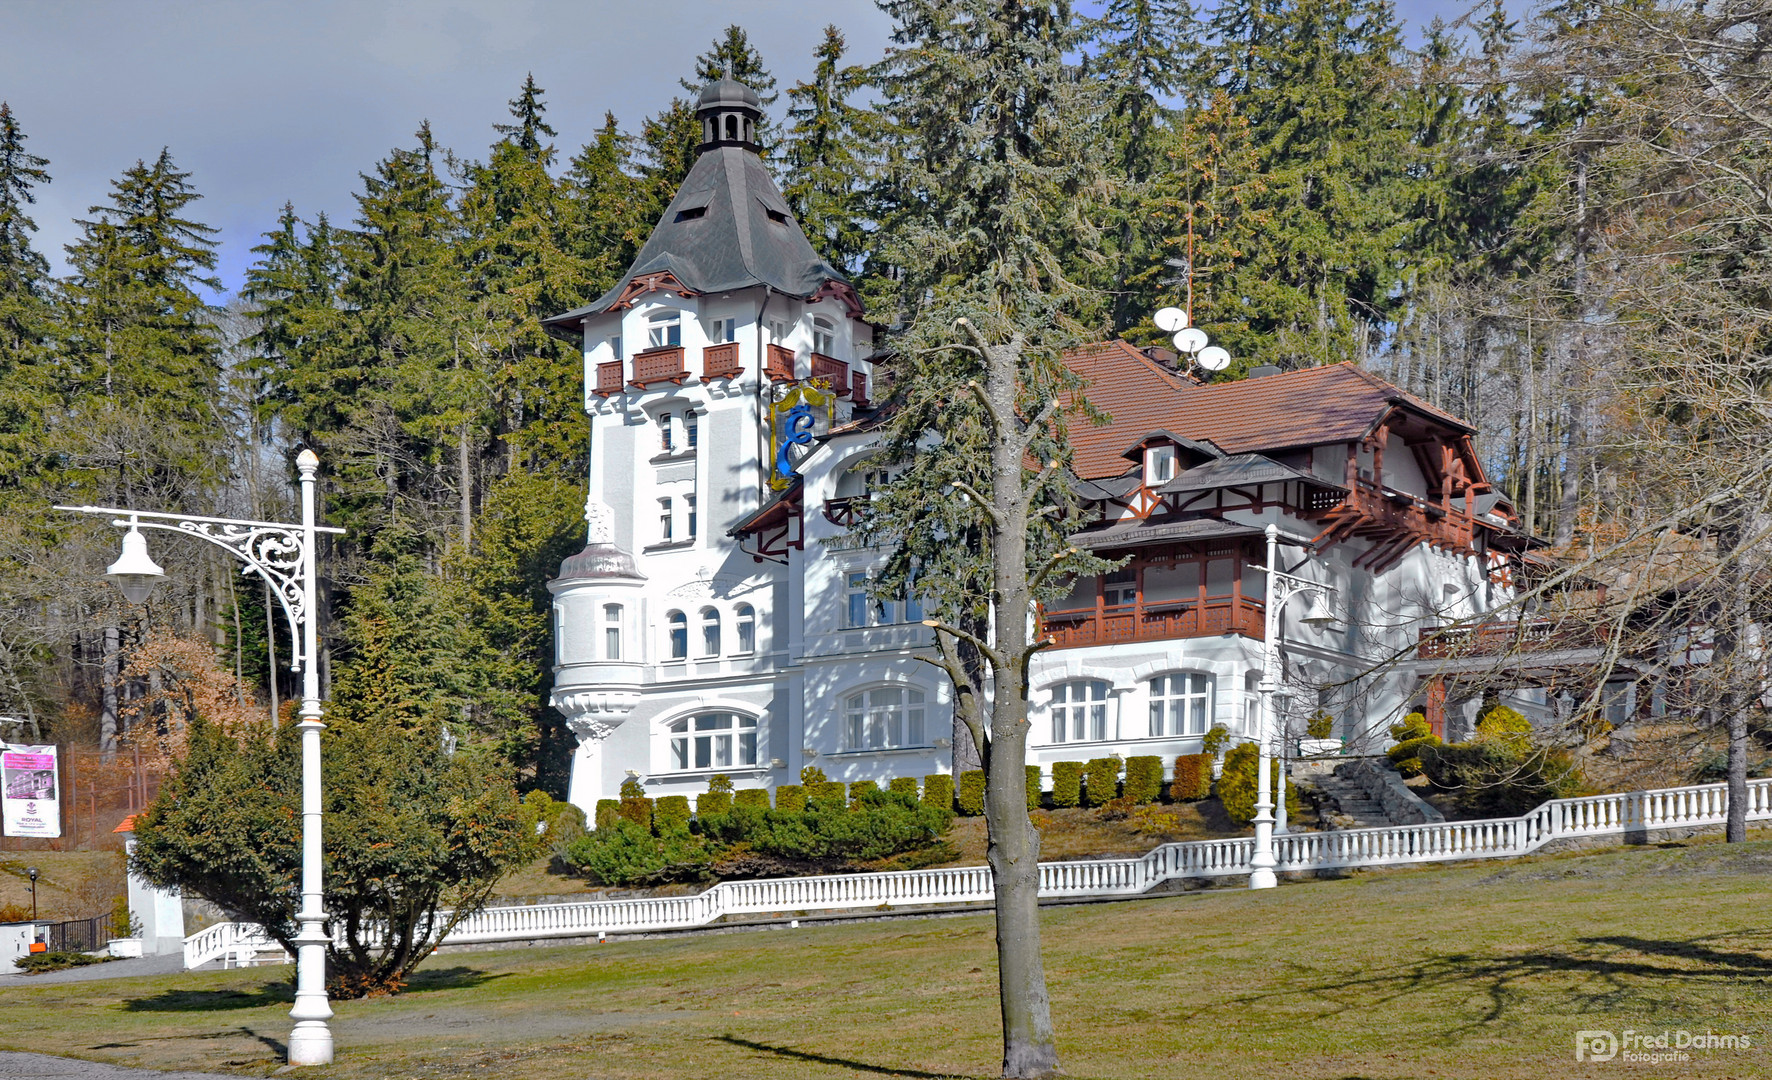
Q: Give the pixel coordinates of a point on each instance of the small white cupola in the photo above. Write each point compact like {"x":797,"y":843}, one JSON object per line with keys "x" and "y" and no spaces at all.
{"x":729,"y":111}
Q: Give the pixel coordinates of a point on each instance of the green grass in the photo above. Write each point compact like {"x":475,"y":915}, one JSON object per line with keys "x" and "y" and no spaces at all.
{"x":1476,"y":971}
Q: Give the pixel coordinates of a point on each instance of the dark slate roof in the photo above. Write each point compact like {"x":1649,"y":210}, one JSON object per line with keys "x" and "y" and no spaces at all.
{"x":598,"y":561}
{"x":732,"y":244}
{"x":1126,"y":534}
{"x":1240,"y":470}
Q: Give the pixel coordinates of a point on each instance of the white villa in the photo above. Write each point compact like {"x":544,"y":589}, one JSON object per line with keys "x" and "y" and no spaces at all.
{"x":718,"y":621}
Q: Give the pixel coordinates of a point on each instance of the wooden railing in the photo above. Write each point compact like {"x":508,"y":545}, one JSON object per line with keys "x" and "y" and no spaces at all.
{"x":845,"y":511}
{"x":858,"y":390}
{"x":829,"y":367}
{"x":720,"y":362}
{"x":1633,"y":814}
{"x":1154,"y":622}
{"x":659,"y":365}
{"x":609,"y":380}
{"x":779,"y":363}
{"x":1491,"y":639}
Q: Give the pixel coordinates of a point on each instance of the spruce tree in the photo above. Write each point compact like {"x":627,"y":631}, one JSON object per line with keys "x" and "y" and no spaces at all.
{"x":825,"y":155}
{"x":298,"y":359}
{"x":605,"y":225}
{"x":26,"y":317}
{"x":733,"y":55}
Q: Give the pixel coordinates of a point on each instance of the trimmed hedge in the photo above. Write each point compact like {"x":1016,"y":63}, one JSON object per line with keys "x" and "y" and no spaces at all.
{"x":1033,"y":787}
{"x":1144,"y":778}
{"x":857,"y":788}
{"x":827,"y":791}
{"x":938,"y":791}
{"x":608,"y":813}
{"x":637,"y":811}
{"x":1193,"y":778}
{"x":790,"y":798}
{"x":1237,"y":783}
{"x":713,"y":802}
{"x":972,"y":792}
{"x":751,"y":796}
{"x":1101,"y":780}
{"x":1406,"y":755}
{"x":1067,"y":783}
{"x":671,"y":813}
{"x":903,"y":785}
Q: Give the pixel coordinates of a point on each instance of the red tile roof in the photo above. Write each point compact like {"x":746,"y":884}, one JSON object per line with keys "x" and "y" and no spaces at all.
{"x":1338,"y":403}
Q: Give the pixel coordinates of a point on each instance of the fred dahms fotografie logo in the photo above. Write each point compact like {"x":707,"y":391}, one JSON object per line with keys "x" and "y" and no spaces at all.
{"x":1652,"y":1047}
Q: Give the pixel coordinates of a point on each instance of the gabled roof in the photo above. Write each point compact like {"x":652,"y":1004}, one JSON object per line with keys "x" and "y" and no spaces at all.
{"x":1204,"y":448}
{"x":1138,"y":533}
{"x":728,"y":228}
{"x":1241,"y":470}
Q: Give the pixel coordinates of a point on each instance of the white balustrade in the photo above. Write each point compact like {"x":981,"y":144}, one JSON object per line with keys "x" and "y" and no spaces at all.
{"x":1386,"y":845}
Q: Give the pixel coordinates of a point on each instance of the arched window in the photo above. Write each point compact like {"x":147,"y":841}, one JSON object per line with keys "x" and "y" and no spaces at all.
{"x":710,"y":632}
{"x":664,"y":329}
{"x":824,"y":335}
{"x":612,"y":631}
{"x":1079,"y":711}
{"x":882,"y":719}
{"x":679,"y":628}
{"x":1181,"y":704}
{"x":744,"y":619}
{"x":713,"y":741}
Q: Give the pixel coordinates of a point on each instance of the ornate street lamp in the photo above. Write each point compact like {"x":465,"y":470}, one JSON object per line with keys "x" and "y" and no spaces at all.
{"x":1280,"y":588}
{"x":284,"y":556}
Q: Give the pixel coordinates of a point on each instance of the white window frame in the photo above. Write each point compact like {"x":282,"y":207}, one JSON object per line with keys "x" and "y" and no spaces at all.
{"x":710,"y":632}
{"x":667,"y":434}
{"x":721,"y":331}
{"x":712,"y":741}
{"x":665,"y":516}
{"x":1077,"y":718}
{"x":744,"y":625}
{"x":824,"y":336}
{"x":664,"y":329}
{"x":612,"y":631}
{"x":1180,"y":714}
{"x":677,"y":635}
{"x":689,"y":521}
{"x":893,"y":717}
{"x":1159,"y":465}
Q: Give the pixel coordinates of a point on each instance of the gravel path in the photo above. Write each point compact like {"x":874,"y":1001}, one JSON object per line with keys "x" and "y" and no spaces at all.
{"x":114,"y":969}
{"x":17,"y":1066}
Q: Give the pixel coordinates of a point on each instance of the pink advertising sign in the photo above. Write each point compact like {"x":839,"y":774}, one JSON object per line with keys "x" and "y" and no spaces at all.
{"x":30,"y":804}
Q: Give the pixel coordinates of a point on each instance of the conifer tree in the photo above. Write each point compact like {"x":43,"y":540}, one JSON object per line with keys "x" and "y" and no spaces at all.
{"x":604,"y":223}
{"x":733,"y":55}
{"x":825,"y":155}
{"x":26,"y":317}
{"x":298,"y":356}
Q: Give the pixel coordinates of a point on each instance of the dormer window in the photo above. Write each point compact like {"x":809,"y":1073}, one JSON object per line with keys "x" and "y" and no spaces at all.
{"x":1159,"y":465}
{"x":664,"y":330}
{"x":824,"y":335}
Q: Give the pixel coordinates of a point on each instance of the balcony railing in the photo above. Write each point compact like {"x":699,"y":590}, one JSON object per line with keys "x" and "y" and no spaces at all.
{"x":829,"y":367}
{"x":858,"y":390}
{"x":779,"y":363}
{"x":1157,"y":622}
{"x":659,"y":365}
{"x":844,"y":512}
{"x":1501,"y":638}
{"x":720,"y":362}
{"x":608,"y":378}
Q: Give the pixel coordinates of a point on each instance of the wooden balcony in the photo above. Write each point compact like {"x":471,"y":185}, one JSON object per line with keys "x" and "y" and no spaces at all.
{"x":858,"y":390}
{"x":1158,"y":622}
{"x":658,"y":366}
{"x":1519,"y":640}
{"x":778,"y":363}
{"x":608,"y":378}
{"x":829,"y":367}
{"x":844,"y":512}
{"x":720,"y":362}
{"x":1395,"y":522}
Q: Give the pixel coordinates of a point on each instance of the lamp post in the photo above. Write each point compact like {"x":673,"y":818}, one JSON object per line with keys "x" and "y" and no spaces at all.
{"x":284,"y":556}
{"x":32,"y":871}
{"x":1280,"y":588}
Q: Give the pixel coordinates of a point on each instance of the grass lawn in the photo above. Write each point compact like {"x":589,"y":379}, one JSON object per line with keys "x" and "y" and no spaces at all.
{"x":1482,"y":971}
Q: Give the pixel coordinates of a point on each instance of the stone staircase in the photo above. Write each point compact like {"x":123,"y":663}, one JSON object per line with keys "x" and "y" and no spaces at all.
{"x":1346,"y":804}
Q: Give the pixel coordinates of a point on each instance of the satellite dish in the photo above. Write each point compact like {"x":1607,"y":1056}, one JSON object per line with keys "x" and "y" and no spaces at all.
{"x":1170,"y":319}
{"x":1191,"y":340}
{"x":1213,"y":358}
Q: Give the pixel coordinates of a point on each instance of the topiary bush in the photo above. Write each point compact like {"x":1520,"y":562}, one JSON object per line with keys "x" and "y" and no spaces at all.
{"x":1034,"y":791}
{"x":671,"y":814}
{"x":971,"y":800}
{"x":811,"y":774}
{"x":1405,"y":757}
{"x":713,"y":802}
{"x":1193,"y":778}
{"x":1413,"y":726}
{"x":826,"y":791}
{"x":1215,"y":739}
{"x":882,"y":824}
{"x":637,"y":811}
{"x":1101,"y":780}
{"x":1236,"y":785}
{"x":1144,"y":778}
{"x":755,"y":797}
{"x":790,"y":798}
{"x":857,"y":788}
{"x":903,"y":785}
{"x":938,"y":791}
{"x":1505,"y":724}
{"x":1067,"y":783}
{"x":1321,"y":725}
{"x":608,"y":813}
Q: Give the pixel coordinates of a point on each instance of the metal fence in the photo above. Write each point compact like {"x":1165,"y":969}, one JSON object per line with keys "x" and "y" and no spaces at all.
{"x":77,"y":935}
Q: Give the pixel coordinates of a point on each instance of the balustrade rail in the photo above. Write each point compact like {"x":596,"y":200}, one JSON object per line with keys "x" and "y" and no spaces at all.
{"x":720,"y":362}
{"x":1154,"y":622}
{"x":659,"y":365}
{"x":1635,"y":812}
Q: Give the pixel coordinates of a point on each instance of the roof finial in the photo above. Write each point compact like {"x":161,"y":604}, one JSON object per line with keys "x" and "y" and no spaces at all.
{"x":729,"y":69}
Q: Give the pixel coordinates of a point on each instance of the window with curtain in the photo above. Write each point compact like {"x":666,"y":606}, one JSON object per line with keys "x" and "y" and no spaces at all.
{"x":1181,"y":704}
{"x":710,"y":632}
{"x":713,"y":741}
{"x":1079,"y":711}
{"x":678,"y":625}
{"x":883,"y":718}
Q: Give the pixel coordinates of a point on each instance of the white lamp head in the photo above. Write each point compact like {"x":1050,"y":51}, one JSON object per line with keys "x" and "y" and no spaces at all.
{"x":134,"y":572}
{"x":1316,"y":611}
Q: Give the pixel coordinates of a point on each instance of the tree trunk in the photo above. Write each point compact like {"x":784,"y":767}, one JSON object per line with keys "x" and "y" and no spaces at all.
{"x":464,"y":464}
{"x":1732,"y":664}
{"x":108,"y":731}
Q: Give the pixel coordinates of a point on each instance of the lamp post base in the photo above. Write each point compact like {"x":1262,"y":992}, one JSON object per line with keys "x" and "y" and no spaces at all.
{"x":310,"y":1043}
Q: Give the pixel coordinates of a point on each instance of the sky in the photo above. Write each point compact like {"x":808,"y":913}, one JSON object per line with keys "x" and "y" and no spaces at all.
{"x":271,"y":102}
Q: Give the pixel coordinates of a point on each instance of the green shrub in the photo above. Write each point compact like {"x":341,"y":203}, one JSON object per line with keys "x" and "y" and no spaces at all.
{"x":638,"y":811}
{"x":1413,"y":726}
{"x":671,"y":814}
{"x":1508,"y":725}
{"x":881,"y":825}
{"x":857,"y":787}
{"x":608,"y":812}
{"x":714,"y":802}
{"x":39,"y":963}
{"x":1321,"y":725}
{"x":1117,"y":809}
{"x":1033,"y":787}
{"x":631,"y":788}
{"x":972,"y":792}
{"x":565,"y":823}
{"x":1406,"y":755}
{"x":1193,"y":778}
{"x":1067,"y":783}
{"x":827,"y":791}
{"x":790,"y":798}
{"x":629,"y":854}
{"x":1236,"y":786}
{"x":938,"y":791}
{"x":1144,"y":778}
{"x":1101,"y":780}
{"x":811,"y":774}
{"x":1215,"y":739}
{"x":752,"y":796}
{"x":1496,"y":777}
{"x":903,"y":785}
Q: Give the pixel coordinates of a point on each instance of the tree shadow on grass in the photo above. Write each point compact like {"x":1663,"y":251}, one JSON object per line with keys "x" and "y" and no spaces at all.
{"x":1605,"y":973}
{"x":451,"y":978}
{"x":821,"y":1059}
{"x":281,"y":992}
